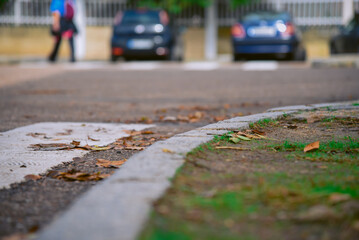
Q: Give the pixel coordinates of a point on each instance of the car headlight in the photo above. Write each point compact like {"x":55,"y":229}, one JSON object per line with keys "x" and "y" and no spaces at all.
{"x":158,"y":28}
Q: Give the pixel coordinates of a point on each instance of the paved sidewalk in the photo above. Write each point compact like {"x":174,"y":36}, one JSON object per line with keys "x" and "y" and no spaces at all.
{"x":121,"y":204}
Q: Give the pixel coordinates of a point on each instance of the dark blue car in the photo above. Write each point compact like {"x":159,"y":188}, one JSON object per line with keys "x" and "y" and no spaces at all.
{"x":145,"y":34}
{"x":347,"y":41}
{"x":263,"y":34}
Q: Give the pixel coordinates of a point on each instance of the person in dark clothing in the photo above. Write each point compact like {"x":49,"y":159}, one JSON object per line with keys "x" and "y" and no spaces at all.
{"x":63,"y":26}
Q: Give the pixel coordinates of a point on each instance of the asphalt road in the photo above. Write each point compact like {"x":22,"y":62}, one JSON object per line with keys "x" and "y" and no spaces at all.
{"x":130,"y":93}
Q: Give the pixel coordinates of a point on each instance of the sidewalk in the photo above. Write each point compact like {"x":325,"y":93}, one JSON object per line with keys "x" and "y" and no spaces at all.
{"x":121,"y":204}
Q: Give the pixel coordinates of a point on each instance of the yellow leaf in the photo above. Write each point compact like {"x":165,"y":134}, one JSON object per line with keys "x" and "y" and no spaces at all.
{"x":167,"y":150}
{"x":96,"y":148}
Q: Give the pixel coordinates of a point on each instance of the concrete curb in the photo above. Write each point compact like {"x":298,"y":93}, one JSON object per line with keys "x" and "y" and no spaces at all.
{"x":339,"y":61}
{"x":118,"y":207}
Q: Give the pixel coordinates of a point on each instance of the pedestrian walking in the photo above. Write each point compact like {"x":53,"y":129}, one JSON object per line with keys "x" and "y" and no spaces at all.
{"x":63,"y":12}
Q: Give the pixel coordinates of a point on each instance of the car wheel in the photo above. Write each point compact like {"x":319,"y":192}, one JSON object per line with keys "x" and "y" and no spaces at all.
{"x":113,"y":58}
{"x":301,"y":55}
{"x":333,"y":50}
{"x":236,"y":57}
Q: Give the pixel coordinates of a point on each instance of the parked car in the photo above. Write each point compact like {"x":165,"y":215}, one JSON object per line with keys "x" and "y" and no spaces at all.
{"x":347,"y":41}
{"x":267,"y":33}
{"x":145,"y":34}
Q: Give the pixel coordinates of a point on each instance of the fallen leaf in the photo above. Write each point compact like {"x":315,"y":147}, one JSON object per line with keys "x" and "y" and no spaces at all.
{"x":256,"y":131}
{"x":109,"y":164}
{"x":147,"y":132}
{"x":234,"y":148}
{"x":170,"y":119}
{"x":97,"y":148}
{"x":338,"y":198}
{"x":322,"y":167}
{"x":234,"y":139}
{"x":74,"y":175}
{"x":75,"y":143}
{"x":66,"y":133}
{"x":51,"y":146}
{"x":92,"y":139}
{"x":36,"y":134}
{"x":32,"y":177}
{"x":243,"y":138}
{"x":167,"y":150}
{"x":219,"y":118}
{"x":356,"y":226}
{"x":312,"y":146}
{"x":134,"y":148}
{"x":16,"y":236}
{"x":318,"y":213}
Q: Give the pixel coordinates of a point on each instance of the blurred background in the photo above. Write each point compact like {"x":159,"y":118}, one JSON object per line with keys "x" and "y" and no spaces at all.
{"x":25,"y":26}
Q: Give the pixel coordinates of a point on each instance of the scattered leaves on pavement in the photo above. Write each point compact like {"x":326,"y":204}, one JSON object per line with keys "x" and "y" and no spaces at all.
{"x":109,"y":164}
{"x":138,"y":140}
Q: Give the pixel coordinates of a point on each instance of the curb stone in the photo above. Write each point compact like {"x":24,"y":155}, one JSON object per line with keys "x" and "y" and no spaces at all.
{"x":339,"y":61}
{"x":118,"y":207}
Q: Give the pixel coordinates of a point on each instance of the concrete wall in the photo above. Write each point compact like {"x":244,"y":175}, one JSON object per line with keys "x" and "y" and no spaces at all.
{"x":36,"y":41}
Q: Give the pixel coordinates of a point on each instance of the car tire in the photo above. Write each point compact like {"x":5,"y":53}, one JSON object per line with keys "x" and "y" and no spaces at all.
{"x":301,"y":55}
{"x":237,"y":57}
{"x":333,"y":50}
{"x":113,"y":58}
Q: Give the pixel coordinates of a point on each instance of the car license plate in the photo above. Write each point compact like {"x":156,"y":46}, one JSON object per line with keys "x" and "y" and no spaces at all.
{"x":262,"y":32}
{"x":140,"y":44}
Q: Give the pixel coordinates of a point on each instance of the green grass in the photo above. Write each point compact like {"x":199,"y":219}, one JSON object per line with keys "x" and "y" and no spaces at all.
{"x":329,"y":119}
{"x":236,"y":197}
{"x":348,"y":144}
{"x":263,"y":123}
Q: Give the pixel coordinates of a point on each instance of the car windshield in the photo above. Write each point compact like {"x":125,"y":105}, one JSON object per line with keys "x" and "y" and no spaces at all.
{"x":268,"y":16}
{"x":141,"y":17}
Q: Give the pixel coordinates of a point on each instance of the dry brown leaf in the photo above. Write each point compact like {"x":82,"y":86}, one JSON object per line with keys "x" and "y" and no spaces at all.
{"x":109,"y":164}
{"x":74,"y":175}
{"x":219,"y":118}
{"x":133,"y":148}
{"x":234,"y":148}
{"x":92,"y":139}
{"x":32,"y":177}
{"x":338,"y":198}
{"x":75,"y":143}
{"x":311,"y":146}
{"x":356,"y":226}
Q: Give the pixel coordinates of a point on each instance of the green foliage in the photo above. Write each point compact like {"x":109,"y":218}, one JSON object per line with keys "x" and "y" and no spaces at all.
{"x":176,"y":6}
{"x":2,"y":3}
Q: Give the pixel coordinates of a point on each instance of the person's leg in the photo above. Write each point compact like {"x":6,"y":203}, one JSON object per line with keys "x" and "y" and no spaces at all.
{"x":53,"y":55}
{"x":72,"y":49}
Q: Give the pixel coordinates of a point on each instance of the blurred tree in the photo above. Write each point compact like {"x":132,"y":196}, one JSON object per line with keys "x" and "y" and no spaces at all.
{"x":2,"y":3}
